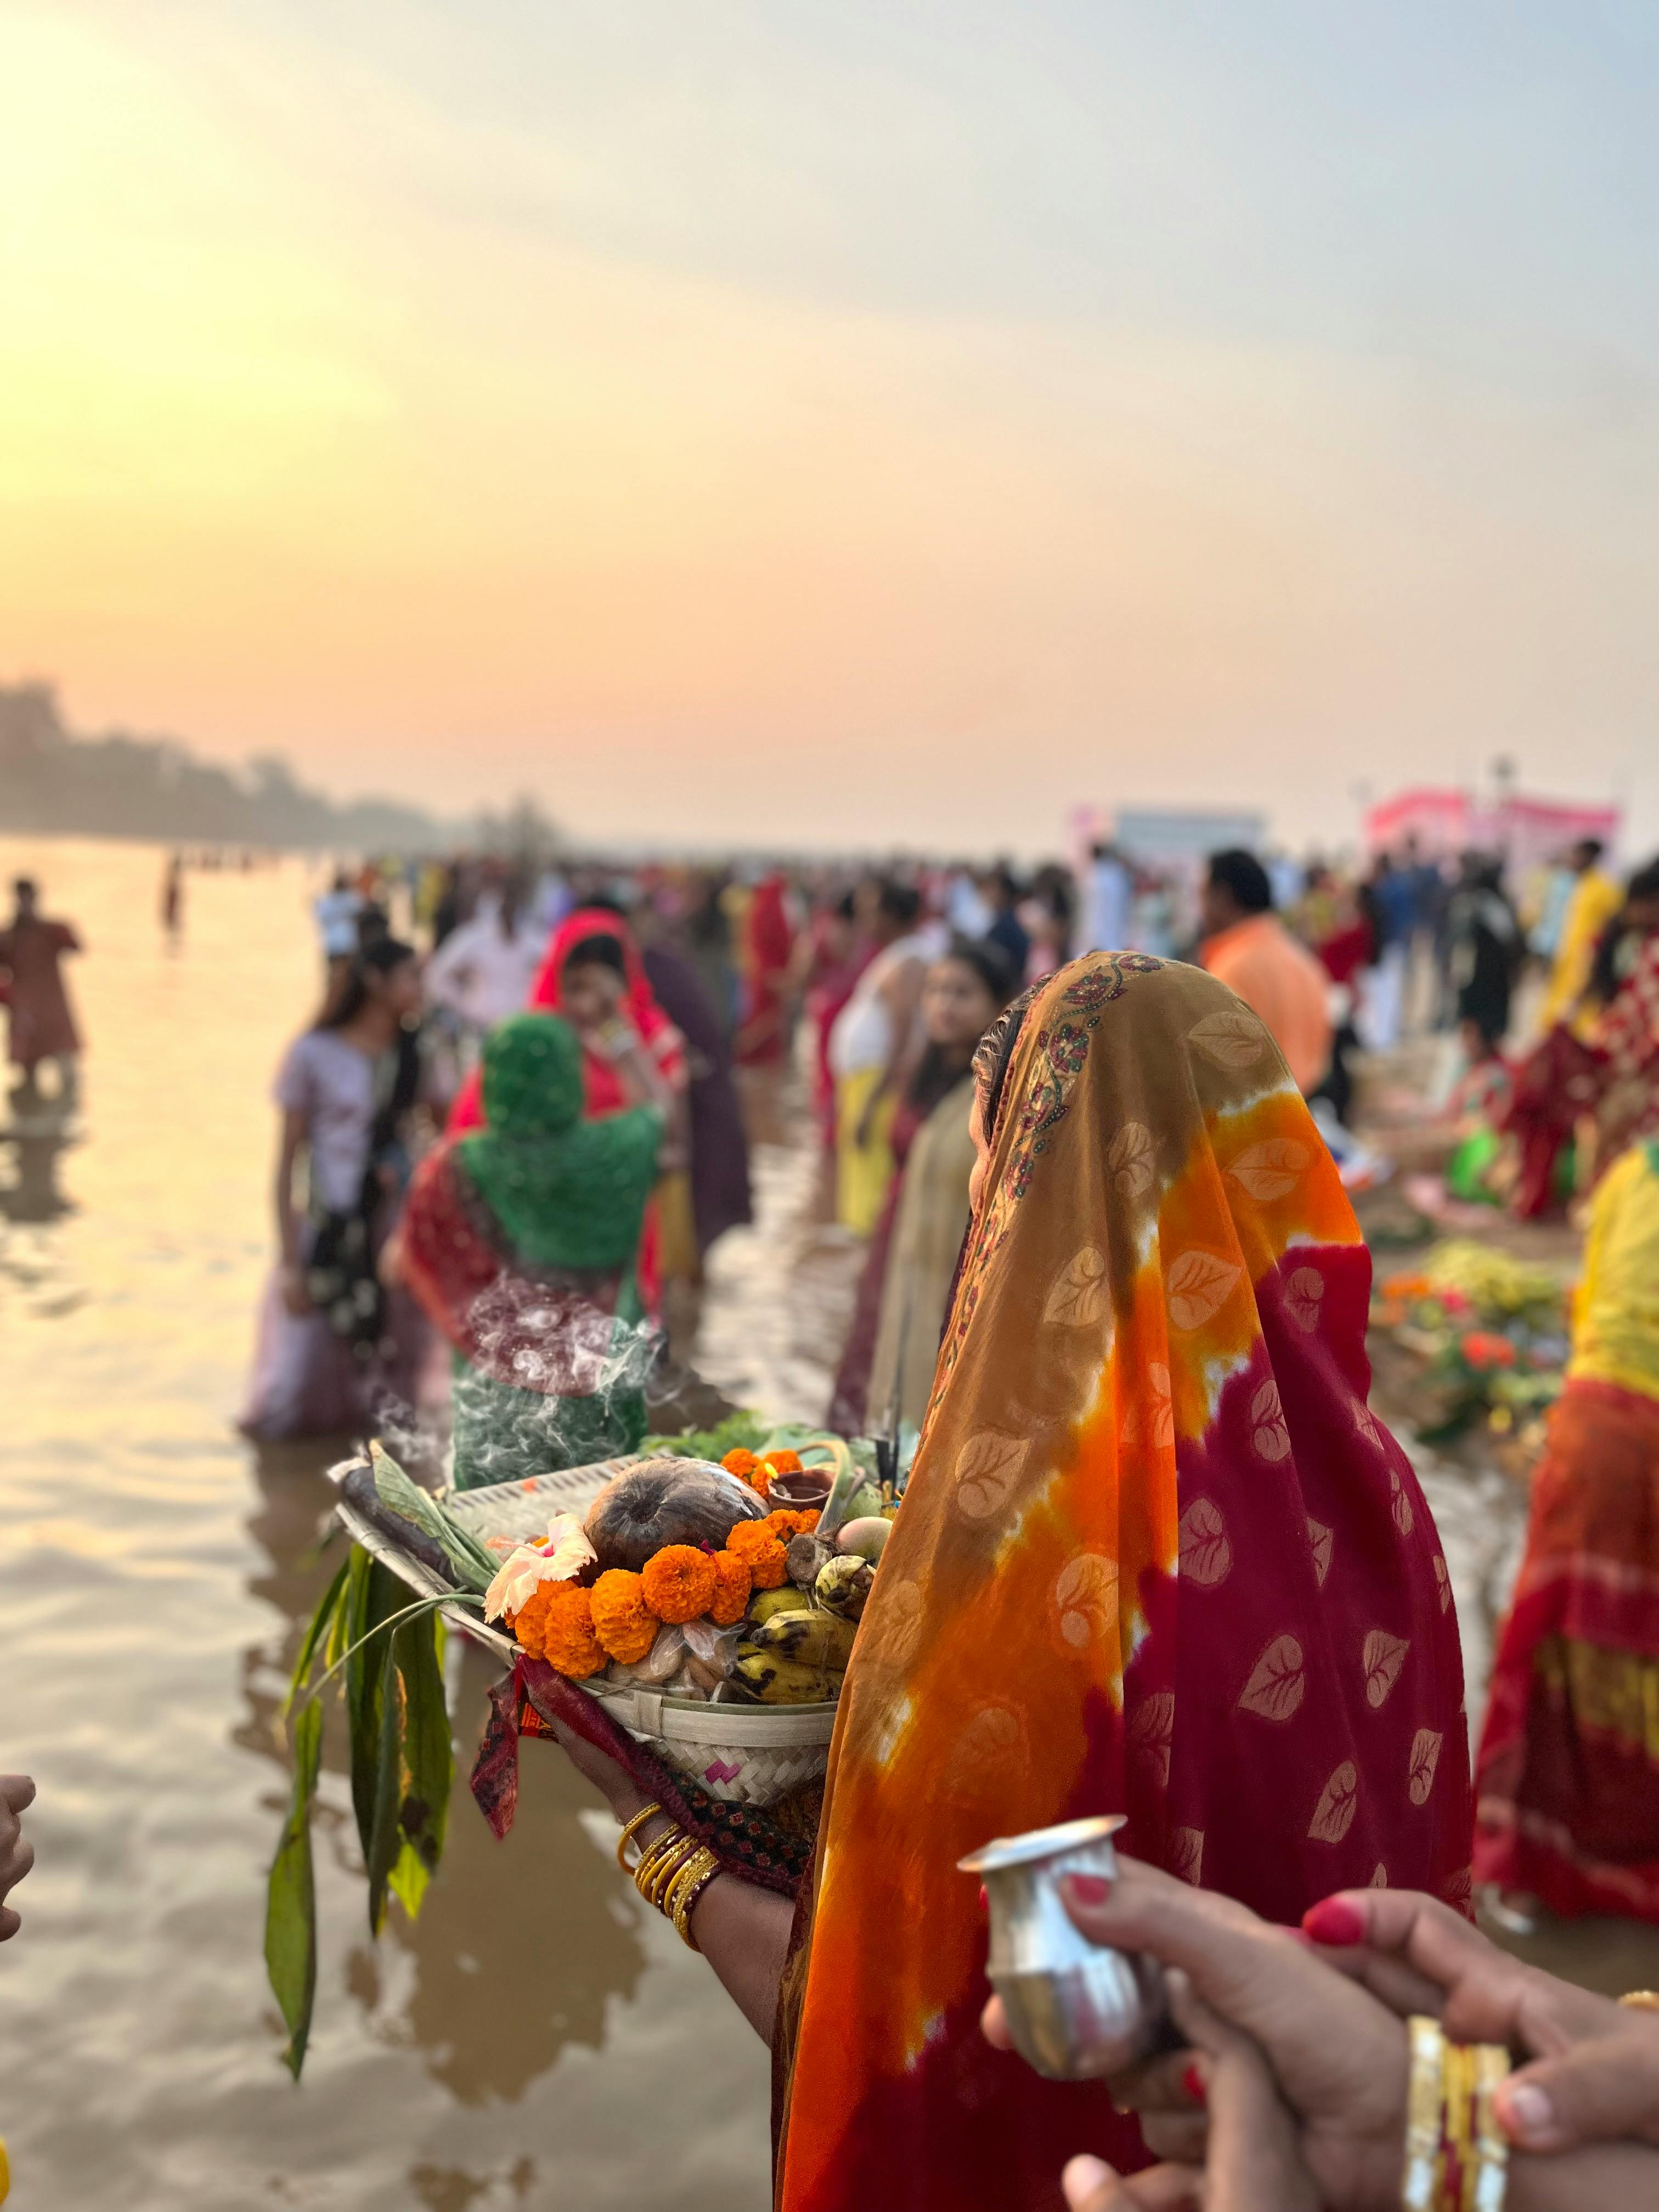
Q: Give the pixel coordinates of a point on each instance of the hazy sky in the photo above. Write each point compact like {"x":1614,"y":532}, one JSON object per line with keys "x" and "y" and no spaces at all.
{"x":840,"y":420}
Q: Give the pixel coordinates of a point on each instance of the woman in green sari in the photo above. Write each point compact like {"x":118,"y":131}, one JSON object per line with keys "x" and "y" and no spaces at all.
{"x":519,"y":1240}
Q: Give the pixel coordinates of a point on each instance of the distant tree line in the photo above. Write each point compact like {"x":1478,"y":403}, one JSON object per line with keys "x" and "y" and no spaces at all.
{"x":119,"y":786}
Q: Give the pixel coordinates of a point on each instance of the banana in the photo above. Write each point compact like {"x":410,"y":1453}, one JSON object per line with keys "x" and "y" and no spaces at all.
{"x":786,"y":1599}
{"x":777,"y":1682}
{"x":843,"y":1586}
{"x":816,"y":1639}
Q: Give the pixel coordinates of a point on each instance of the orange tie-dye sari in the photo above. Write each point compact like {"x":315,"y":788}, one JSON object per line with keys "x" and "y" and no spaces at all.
{"x":1157,"y":1558}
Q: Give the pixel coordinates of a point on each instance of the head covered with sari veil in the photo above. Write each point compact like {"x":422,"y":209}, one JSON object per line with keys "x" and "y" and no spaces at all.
{"x":520,"y":1238}
{"x":1157,"y":1558}
{"x":602,"y":1091}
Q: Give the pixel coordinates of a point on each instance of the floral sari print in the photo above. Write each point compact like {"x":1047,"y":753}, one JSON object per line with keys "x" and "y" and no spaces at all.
{"x":1157,"y":1558}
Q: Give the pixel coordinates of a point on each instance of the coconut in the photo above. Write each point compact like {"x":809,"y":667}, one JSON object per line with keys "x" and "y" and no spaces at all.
{"x":667,"y":1501}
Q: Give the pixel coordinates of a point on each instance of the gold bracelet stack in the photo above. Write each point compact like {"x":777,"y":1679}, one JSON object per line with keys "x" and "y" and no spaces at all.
{"x":672,"y":1871}
{"x":1456,"y":2156}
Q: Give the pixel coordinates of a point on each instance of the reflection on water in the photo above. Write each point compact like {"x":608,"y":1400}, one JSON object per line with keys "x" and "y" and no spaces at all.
{"x":538,"y":2037}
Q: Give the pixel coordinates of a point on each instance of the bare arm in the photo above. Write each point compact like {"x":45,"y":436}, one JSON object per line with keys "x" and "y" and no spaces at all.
{"x":643,"y":1080}
{"x":741,"y":1929}
{"x":901,"y":993}
{"x":289,"y":1144}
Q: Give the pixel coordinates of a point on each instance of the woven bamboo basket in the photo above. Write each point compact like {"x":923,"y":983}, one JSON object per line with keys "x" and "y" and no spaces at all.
{"x":745,"y":1754}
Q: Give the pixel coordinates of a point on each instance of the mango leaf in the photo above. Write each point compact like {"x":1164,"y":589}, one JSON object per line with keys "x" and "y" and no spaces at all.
{"x":374,"y":1593}
{"x":384,"y":1787}
{"x":322,"y":1623}
{"x":291,"y":1897}
{"x":427,"y":1760}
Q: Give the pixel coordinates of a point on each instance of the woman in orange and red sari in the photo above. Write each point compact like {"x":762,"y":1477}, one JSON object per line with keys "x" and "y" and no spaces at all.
{"x":1157,"y":1558}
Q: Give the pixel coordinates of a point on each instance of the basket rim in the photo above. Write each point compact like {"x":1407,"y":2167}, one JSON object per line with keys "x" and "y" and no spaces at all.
{"x":688,"y":1720}
{"x":679,"y":1720}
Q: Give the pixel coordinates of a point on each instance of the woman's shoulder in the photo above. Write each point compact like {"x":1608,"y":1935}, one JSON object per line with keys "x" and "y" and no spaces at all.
{"x":314,"y":1059}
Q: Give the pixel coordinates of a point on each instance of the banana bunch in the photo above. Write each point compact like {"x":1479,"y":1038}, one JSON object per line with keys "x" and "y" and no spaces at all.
{"x":796,"y":1656}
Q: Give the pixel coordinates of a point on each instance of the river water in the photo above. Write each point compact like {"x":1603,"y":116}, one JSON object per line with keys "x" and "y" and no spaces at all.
{"x":539,"y":2036}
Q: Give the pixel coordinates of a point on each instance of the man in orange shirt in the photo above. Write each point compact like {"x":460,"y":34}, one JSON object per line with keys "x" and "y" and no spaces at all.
{"x":1248,"y":948}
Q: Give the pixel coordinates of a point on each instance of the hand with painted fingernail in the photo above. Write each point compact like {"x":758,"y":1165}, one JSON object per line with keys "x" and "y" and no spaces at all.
{"x":16,"y":1852}
{"x":1251,"y":2161}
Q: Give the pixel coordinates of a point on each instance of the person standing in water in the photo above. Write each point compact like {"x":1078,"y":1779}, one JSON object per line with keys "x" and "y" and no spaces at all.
{"x":332,"y":1342}
{"x":173,"y":899}
{"x":870,"y":1048}
{"x":41,"y":1026}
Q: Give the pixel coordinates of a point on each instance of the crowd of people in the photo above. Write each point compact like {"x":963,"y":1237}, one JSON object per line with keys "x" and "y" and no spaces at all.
{"x":1157,"y":1555}
{"x":694,"y":993}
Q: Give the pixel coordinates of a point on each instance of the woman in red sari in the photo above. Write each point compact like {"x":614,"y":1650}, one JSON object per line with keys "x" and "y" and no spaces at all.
{"x":1157,"y":1556}
{"x":589,"y":931}
{"x":593,"y":976}
{"x":768,"y":943}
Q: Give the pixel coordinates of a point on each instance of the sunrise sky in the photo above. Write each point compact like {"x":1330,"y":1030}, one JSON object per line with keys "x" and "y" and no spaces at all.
{"x":839,"y":421}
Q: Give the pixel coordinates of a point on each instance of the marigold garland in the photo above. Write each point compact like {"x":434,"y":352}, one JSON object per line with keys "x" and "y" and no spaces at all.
{"x":622,"y":1621}
{"x":733,"y":1583}
{"x":679,"y":1582}
{"x":784,"y":1462}
{"x":557,"y":1625}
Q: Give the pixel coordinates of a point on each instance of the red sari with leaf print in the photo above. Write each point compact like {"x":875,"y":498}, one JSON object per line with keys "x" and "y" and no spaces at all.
{"x":1157,"y":1558}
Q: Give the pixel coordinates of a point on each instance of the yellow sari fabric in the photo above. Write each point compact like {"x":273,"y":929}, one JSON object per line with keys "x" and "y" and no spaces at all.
{"x":1147,"y":1454}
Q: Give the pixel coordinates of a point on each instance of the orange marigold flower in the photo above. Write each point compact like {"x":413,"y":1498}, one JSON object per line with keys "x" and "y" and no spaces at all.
{"x":784,"y":1462}
{"x":556,"y":1624}
{"x":622,"y":1621}
{"x":679,"y":1582}
{"x":733,"y":1583}
{"x":740,"y":1462}
{"x":1485,"y":1348}
{"x":791,"y":1521}
{"x":766,"y":1560}
{"x":749,"y":1539}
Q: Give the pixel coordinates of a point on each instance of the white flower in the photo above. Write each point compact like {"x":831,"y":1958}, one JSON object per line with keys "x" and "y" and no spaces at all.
{"x":565,"y":1553}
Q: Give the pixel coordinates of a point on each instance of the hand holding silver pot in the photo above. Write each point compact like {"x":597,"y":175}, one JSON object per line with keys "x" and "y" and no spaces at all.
{"x":1075,"y":2009}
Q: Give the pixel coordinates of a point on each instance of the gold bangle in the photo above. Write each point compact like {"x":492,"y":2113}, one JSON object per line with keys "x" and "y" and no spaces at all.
{"x":650,"y":1860}
{"x":1422,"y":2110}
{"x":1456,"y":2156}
{"x":1491,"y":2146}
{"x":629,"y":1832}
{"x":660,"y":1863}
{"x":686,"y":1878}
{"x":689,"y":1885}
{"x":1641,"y":2000}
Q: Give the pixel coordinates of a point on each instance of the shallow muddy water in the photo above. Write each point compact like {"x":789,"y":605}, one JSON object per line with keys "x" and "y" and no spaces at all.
{"x":538,"y":2037}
